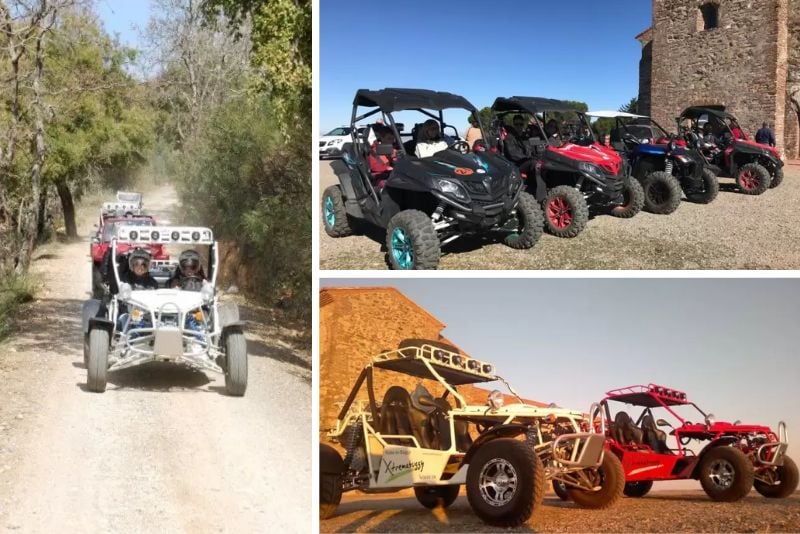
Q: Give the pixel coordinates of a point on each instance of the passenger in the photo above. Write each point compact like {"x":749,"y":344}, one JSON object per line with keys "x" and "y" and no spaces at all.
{"x":551,"y":129}
{"x":519,"y":127}
{"x":381,"y":165}
{"x":473,"y":132}
{"x":138,"y":275}
{"x":189,"y":274}
{"x":430,"y":140}
{"x":708,"y":135}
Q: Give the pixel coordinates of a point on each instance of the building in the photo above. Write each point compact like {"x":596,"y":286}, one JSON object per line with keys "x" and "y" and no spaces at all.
{"x":356,"y":324}
{"x":742,"y":54}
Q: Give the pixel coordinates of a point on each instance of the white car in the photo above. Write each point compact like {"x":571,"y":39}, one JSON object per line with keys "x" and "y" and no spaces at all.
{"x":176,"y":325}
{"x":330,"y":144}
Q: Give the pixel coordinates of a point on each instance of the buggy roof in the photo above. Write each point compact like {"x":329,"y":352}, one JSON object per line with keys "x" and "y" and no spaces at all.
{"x":394,"y":99}
{"x":648,"y":396}
{"x":531,"y":104}
{"x":615,"y":114}
{"x":697,"y":111}
{"x":456,"y":369}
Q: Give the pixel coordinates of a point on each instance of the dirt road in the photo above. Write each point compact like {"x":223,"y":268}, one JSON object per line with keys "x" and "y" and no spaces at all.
{"x":669,"y":511}
{"x":734,"y":232}
{"x":163,"y":450}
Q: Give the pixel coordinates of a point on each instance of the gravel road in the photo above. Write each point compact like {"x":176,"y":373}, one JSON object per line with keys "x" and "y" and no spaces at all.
{"x":163,"y":449}
{"x":665,"y":511}
{"x":734,"y":232}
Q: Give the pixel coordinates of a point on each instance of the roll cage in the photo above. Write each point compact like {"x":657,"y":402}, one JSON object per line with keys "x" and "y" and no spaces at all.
{"x":626,"y":121}
{"x":540,"y":109}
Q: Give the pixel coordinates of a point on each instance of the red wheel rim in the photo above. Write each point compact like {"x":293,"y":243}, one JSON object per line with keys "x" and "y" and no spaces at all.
{"x":559,"y":211}
{"x":749,"y":180}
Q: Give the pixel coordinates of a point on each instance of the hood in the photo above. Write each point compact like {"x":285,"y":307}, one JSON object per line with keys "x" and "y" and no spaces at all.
{"x":605,"y":158}
{"x":465,"y":167}
{"x":163,"y":299}
{"x":753,"y":144}
{"x":327,"y":138}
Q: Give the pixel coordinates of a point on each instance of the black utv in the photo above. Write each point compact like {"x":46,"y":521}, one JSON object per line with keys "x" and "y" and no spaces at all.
{"x":664,"y":167}
{"x":564,"y":167}
{"x":427,"y":191}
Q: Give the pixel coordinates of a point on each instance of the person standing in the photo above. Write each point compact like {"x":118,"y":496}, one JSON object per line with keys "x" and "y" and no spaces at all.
{"x":473,"y":132}
{"x":764,"y":135}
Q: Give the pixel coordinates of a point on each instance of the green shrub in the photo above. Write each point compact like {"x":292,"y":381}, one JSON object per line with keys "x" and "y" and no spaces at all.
{"x":15,"y":290}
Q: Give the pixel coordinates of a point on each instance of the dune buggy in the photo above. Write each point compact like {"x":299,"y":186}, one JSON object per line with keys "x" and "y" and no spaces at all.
{"x":425,"y":203}
{"x":100,"y":247}
{"x":564,"y":168}
{"x":503,"y":453}
{"x":130,"y":197}
{"x":735,"y":456}
{"x":663,"y":167}
{"x":133,"y":327}
{"x":755,"y":167}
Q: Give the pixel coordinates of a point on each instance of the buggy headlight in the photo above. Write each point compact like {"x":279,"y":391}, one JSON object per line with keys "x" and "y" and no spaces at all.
{"x":125,"y":291}
{"x":588,"y":168}
{"x":495,"y":400}
{"x":207,"y":291}
{"x":514,"y":181}
{"x":682,"y":159}
{"x":449,"y":187}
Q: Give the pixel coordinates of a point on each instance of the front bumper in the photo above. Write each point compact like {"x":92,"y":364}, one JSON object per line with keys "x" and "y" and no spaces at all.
{"x":330,"y":151}
{"x":137,"y":346}
{"x":480,"y":215}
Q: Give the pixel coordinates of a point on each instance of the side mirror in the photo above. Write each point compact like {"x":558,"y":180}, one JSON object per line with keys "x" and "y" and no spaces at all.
{"x":95,"y":240}
{"x":661,"y":422}
{"x":384,"y":149}
{"x":400,"y":126}
{"x":427,"y":400}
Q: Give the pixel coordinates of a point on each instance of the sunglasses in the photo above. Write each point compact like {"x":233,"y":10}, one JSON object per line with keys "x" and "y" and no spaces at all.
{"x":190,"y":264}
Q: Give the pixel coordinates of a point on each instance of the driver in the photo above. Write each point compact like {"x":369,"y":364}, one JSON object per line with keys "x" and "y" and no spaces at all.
{"x":189,"y":274}
{"x":430,"y":140}
{"x":138,"y":274}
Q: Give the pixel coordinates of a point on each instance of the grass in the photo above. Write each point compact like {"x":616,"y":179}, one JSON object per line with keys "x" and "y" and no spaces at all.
{"x":15,"y":291}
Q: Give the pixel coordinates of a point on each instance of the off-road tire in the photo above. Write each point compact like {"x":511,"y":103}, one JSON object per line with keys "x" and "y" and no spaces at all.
{"x":788,"y":479}
{"x":425,"y":248}
{"x":573,"y":201}
{"x":710,"y":189}
{"x":560,"y":489}
{"x":330,"y":494}
{"x":235,"y":363}
{"x":435,"y":496}
{"x":341,"y":222}
{"x":530,"y":482}
{"x":97,"y":283}
{"x":761,"y":176}
{"x":97,"y":364}
{"x":530,"y":217}
{"x":742,"y":474}
{"x":612,"y":486}
{"x":777,"y":178}
{"x":86,"y":350}
{"x":662,"y":193}
{"x":638,"y":489}
{"x":633,"y":202}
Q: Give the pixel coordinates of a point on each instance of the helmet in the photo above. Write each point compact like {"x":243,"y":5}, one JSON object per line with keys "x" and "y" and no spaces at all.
{"x":189,"y":262}
{"x":139,"y":256}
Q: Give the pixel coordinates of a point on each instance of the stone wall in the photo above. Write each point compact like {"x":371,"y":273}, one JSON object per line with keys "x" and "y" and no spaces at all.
{"x":645,"y":78}
{"x":792,"y":108}
{"x":356,"y":324}
{"x":734,"y":65}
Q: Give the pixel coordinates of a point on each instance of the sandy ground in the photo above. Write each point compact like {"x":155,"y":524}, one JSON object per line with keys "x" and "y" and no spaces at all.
{"x":734,"y":232}
{"x":163,"y":450}
{"x":660,"y":511}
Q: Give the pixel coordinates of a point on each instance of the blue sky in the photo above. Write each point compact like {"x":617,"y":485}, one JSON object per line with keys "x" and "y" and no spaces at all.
{"x":122,"y":16}
{"x":730,"y":344}
{"x":574,"y":50}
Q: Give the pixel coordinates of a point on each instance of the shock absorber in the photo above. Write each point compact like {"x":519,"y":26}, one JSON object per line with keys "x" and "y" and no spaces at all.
{"x":437,"y":214}
{"x":668,"y":166}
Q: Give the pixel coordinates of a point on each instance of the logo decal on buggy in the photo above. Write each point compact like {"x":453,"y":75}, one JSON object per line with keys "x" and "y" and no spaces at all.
{"x":463,"y":171}
{"x":643,"y":469}
{"x":397,"y":470}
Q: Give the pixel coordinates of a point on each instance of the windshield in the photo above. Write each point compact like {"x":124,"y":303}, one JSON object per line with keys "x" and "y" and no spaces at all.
{"x":129,"y":197}
{"x":110,"y":229}
{"x":339,"y":131}
{"x":645,"y":128}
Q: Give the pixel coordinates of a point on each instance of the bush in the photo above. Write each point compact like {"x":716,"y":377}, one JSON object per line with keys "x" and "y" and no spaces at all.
{"x":15,"y":290}
{"x":252,"y":185}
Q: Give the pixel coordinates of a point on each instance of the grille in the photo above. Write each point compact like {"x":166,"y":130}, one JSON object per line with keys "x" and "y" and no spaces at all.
{"x":322,"y":143}
{"x":475,"y":187}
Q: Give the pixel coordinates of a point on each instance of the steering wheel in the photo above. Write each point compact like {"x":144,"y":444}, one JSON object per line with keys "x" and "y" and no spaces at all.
{"x":191,"y":282}
{"x":630,"y":138}
{"x":460,"y":146}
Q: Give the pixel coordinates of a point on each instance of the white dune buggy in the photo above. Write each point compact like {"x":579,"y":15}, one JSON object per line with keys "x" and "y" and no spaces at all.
{"x":504,"y":454}
{"x":130,"y":197}
{"x":193,"y":328}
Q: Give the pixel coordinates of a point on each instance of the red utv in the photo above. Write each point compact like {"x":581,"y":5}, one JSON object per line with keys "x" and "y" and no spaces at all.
{"x":564,"y":167}
{"x":734,"y":457}
{"x":101,"y":242}
{"x":729,"y":151}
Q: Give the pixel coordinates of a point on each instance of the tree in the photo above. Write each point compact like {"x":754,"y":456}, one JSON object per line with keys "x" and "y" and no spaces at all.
{"x":631,"y":107}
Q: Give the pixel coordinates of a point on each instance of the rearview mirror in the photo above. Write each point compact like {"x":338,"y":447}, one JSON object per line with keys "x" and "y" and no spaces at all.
{"x":661,"y":422}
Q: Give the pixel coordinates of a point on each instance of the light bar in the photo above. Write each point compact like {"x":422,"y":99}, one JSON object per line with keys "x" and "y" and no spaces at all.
{"x":453,"y":360}
{"x":195,"y":235}
{"x":129,"y":196}
{"x":667,"y":393}
{"x":121,"y":207}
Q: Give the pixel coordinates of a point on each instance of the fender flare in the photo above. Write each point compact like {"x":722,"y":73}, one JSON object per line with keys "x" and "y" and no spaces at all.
{"x":499,"y":431}
{"x":330,"y":461}
{"x":88,"y":312}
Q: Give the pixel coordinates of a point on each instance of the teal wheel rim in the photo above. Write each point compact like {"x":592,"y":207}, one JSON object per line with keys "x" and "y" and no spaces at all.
{"x":402,"y":250}
{"x":330,"y":215}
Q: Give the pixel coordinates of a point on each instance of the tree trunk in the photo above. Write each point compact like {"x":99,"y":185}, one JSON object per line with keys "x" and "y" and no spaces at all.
{"x":40,"y":229}
{"x":68,"y":207}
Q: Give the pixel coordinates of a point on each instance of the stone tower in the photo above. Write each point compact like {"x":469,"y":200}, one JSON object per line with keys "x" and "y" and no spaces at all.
{"x":743,"y":54}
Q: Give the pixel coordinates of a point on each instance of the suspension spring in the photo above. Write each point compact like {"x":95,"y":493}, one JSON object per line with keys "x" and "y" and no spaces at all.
{"x":351,"y":439}
{"x":437,"y":214}
{"x":668,"y":166}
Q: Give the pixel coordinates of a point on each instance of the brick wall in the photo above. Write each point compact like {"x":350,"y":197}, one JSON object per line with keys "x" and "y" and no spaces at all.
{"x":792,"y":108}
